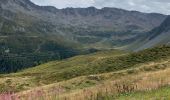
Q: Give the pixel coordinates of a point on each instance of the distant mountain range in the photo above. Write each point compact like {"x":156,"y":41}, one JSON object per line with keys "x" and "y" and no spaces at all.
{"x":41,"y":33}
{"x":87,"y":26}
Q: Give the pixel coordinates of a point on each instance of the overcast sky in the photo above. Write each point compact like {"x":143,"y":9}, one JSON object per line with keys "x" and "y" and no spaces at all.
{"x":159,"y":6}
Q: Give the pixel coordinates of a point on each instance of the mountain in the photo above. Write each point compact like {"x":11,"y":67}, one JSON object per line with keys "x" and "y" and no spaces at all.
{"x":87,"y":26}
{"x":32,"y":34}
{"x":158,"y":36}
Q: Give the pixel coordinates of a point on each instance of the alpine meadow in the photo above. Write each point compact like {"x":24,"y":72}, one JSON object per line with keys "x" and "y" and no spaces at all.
{"x":84,"y":50}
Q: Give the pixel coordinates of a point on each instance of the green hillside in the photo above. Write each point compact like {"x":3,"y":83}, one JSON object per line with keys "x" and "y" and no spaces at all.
{"x":20,"y":52}
{"x":55,"y":71}
{"x":71,"y":68}
{"x":84,"y":65}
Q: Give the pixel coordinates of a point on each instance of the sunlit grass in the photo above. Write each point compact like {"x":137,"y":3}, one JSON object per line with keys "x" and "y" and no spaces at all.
{"x":87,"y":76}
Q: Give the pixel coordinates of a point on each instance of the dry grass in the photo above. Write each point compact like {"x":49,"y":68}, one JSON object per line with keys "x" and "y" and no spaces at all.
{"x":147,"y":77}
{"x":124,"y":74}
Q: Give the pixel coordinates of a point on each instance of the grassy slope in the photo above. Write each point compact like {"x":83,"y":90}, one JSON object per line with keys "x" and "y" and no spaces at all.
{"x":102,"y":62}
{"x":146,"y":76}
{"x":51,"y":72}
{"x":149,"y":76}
{"x":94,"y":64}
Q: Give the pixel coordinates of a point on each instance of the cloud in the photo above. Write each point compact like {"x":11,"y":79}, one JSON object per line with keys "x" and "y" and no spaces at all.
{"x":159,"y":6}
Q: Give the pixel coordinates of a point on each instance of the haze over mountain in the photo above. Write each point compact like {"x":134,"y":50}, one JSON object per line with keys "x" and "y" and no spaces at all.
{"x":41,"y":33}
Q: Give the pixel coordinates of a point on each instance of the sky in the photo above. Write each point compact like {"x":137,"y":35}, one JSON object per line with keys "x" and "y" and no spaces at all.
{"x":157,"y":6}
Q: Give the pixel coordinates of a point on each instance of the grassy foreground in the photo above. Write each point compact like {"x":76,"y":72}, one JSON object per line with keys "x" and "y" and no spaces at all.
{"x":112,"y":86}
{"x":96,"y":76}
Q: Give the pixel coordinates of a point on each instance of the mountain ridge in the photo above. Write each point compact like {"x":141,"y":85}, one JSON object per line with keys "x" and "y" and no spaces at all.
{"x":102,"y":27}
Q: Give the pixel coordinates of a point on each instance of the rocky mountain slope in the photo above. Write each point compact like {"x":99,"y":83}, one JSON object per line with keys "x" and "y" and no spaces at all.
{"x":158,"y":36}
{"x":111,"y":26}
